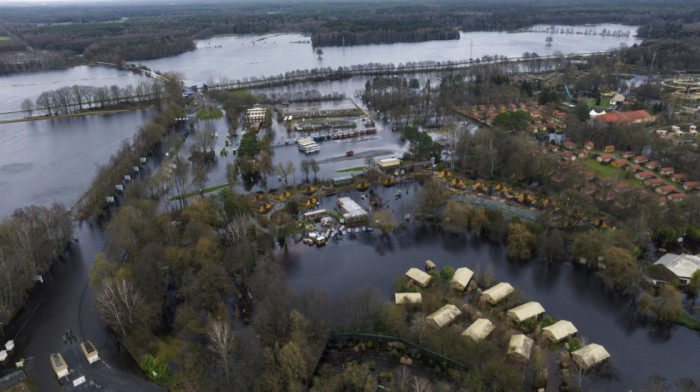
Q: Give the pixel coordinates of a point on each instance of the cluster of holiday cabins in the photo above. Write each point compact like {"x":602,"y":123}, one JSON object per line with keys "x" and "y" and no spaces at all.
{"x":652,"y":173}
{"x":543,"y":119}
{"x":520,"y":344}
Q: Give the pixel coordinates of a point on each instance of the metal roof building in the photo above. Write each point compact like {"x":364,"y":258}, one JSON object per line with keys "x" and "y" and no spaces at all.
{"x":525,"y":311}
{"x":590,"y":355}
{"x":683,"y":265}
{"x":408,"y":298}
{"x":520,"y":345}
{"x":461,"y":278}
{"x":421,"y":278}
{"x":559,"y":331}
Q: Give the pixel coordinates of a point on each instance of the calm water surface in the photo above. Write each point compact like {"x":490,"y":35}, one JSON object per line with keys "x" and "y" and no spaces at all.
{"x":238,"y":57}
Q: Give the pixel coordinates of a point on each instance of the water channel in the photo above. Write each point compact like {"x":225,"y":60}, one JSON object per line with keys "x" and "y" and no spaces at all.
{"x":55,"y":160}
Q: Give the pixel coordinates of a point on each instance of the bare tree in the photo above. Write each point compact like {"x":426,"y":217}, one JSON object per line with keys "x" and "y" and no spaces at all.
{"x":221,"y":342}
{"x":305,"y":166}
{"x":291,"y":170}
{"x":315,"y":167}
{"x":117,"y":302}
{"x":181,"y":178}
{"x":44,"y":102}
{"x":28,"y":106}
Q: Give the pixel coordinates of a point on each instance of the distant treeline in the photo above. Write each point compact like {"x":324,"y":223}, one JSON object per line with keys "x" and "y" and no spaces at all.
{"x":119,"y":33}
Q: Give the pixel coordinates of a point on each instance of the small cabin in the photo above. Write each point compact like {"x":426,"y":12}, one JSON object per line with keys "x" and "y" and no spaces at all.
{"x":421,"y":278}
{"x":444,"y":316}
{"x":408,"y":298}
{"x":526,"y":311}
{"x":497,"y":293}
{"x":479,"y":329}
{"x":461,"y":278}
{"x":590,"y":356}
{"x":520,"y":345}
{"x":559,"y":331}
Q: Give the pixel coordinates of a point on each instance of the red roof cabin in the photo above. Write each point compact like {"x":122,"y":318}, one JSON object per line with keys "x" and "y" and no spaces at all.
{"x":644,"y":175}
{"x":624,"y":187}
{"x":633,"y":168}
{"x":628,"y":154}
{"x":640,"y":159}
{"x":679,"y":177}
{"x":655,"y":182}
{"x":619,"y":163}
{"x":605,"y":158}
{"x":569,"y":145}
{"x":609,"y":148}
{"x":666,"y":189}
{"x":676,"y":196}
{"x":691,"y":185}
{"x":666,"y":171}
{"x":588,"y":145}
{"x":653,"y":165}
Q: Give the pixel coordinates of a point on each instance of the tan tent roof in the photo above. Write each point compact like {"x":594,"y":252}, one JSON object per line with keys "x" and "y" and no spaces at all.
{"x":525,"y":311}
{"x":444,"y":315}
{"x":521,"y":345}
{"x":590,"y":355}
{"x":389,"y":162}
{"x":498,"y":292}
{"x":408,"y":298}
{"x":559,"y":330}
{"x":479,"y":329}
{"x":419,"y":276}
{"x":461,"y":278}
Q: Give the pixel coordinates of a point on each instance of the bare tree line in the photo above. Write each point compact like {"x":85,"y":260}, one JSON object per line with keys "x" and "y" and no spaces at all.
{"x":76,"y":98}
{"x":30,"y":239}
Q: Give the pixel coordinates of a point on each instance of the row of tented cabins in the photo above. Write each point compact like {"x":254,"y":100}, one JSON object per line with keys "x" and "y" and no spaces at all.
{"x":519,"y":344}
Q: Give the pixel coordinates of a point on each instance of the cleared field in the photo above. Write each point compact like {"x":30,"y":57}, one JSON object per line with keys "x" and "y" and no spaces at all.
{"x":4,"y":38}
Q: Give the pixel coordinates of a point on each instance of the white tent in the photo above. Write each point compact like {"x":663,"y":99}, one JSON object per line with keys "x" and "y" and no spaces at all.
{"x":520,"y":345}
{"x":420,"y":277}
{"x":408,"y":298}
{"x":461,"y":278}
{"x":559,"y":331}
{"x":497,"y":293}
{"x":595,"y":114}
{"x":10,"y":345}
{"x":3,"y":356}
{"x":444,"y":315}
{"x":525,"y":311}
{"x":590,"y":355}
{"x":479,"y":329}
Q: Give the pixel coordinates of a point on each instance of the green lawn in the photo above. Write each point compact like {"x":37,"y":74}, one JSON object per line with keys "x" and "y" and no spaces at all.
{"x":4,"y":38}
{"x":604,"y":102}
{"x":211,"y":114}
{"x":352,"y":169}
{"x":618,"y":173}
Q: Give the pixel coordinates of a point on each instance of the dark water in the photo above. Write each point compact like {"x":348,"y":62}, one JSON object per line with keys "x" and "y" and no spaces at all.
{"x":272,"y":54}
{"x":639,"y":348}
{"x":43,"y":161}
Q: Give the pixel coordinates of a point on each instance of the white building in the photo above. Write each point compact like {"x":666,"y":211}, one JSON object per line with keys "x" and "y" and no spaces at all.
{"x":683,"y":266}
{"x":352,"y":212}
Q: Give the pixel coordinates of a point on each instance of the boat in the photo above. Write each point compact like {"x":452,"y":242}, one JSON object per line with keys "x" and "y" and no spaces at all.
{"x":362,"y":186}
{"x":369,"y":228}
{"x":334,"y":233}
{"x":342,"y":232}
{"x":357,"y":230}
{"x":389,"y":181}
{"x":364,"y":228}
{"x":350,"y":153}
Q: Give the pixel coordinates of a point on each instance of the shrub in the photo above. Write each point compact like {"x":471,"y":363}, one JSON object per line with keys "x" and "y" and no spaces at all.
{"x":529,"y":324}
{"x":434,"y":274}
{"x":372,"y":366}
{"x":547,"y":321}
{"x":447,"y":272}
{"x":574,"y":344}
{"x":160,"y":371}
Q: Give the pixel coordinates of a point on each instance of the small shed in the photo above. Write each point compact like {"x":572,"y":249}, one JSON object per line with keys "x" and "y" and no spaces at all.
{"x":520,"y":345}
{"x":525,"y":311}
{"x":461,"y":278}
{"x":444,"y":315}
{"x":3,"y":356}
{"x":420,"y":277}
{"x":315,"y":215}
{"x":498,"y":292}
{"x":10,"y":346}
{"x":408,"y":298}
{"x":590,"y":355}
{"x":429,"y":265}
{"x":479,"y":329}
{"x":559,"y":331}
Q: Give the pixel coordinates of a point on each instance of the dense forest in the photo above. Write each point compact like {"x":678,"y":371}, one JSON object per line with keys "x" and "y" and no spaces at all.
{"x":115,"y":33}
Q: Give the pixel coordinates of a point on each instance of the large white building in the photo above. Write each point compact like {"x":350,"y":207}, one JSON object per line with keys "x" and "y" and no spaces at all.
{"x":683,"y":266}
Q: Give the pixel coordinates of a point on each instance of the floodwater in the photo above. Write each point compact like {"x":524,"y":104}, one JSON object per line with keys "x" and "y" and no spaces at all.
{"x":18,"y":87}
{"x":639,"y":348}
{"x":57,"y":159}
{"x":238,"y":57}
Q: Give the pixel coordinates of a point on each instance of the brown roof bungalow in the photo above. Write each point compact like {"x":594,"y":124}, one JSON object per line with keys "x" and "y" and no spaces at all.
{"x":605,"y":158}
{"x":678,"y":177}
{"x":691,"y":185}
{"x":609,"y":148}
{"x":655,"y":182}
{"x":633,"y":168}
{"x":676,"y":196}
{"x":666,"y":189}
{"x":636,"y":116}
{"x":666,"y":171}
{"x":640,"y":159}
{"x":644,"y":175}
{"x":653,"y":165}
